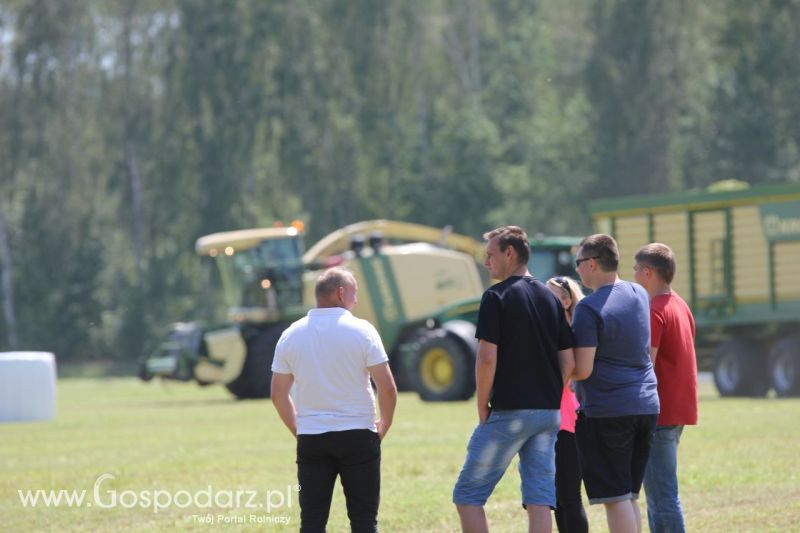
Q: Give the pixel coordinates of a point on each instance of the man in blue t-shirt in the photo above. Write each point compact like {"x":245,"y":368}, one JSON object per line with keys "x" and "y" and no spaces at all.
{"x":525,"y":351}
{"x":615,"y":384}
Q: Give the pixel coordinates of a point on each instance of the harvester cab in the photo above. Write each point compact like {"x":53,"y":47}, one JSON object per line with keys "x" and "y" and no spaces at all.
{"x":261,"y":271}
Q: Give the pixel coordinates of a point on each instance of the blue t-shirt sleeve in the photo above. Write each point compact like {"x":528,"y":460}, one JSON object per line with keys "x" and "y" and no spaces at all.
{"x":488,"y":328}
{"x":585,"y":326}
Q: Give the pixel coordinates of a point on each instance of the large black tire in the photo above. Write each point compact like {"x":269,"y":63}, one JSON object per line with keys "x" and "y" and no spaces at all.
{"x":740,"y":369}
{"x":403,"y":377}
{"x":785,"y":366}
{"x":444,"y":368}
{"x":256,"y":377}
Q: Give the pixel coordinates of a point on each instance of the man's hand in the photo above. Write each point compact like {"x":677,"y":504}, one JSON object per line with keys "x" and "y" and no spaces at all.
{"x":382,"y":429}
{"x":483,"y":412}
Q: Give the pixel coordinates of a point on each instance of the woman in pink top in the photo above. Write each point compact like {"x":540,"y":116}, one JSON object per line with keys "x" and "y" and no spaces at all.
{"x":570,"y":514}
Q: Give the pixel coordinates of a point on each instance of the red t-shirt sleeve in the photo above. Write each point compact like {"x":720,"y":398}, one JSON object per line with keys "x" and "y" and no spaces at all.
{"x":656,"y":326}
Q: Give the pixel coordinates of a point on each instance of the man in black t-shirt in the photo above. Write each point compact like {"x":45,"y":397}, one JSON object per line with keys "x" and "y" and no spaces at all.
{"x":524,"y":356}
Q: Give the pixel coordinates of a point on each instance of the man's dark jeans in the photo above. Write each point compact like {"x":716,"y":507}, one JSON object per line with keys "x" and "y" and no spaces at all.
{"x":355,"y":455}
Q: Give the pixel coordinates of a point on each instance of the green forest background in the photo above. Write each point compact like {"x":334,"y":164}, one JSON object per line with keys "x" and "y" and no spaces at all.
{"x":128,"y":128}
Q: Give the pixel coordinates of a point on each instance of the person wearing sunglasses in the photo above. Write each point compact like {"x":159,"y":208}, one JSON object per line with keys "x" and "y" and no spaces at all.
{"x":615,"y":384}
{"x":570,"y":514}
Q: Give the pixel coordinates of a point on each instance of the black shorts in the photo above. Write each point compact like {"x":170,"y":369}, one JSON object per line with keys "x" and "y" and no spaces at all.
{"x":613,"y":455}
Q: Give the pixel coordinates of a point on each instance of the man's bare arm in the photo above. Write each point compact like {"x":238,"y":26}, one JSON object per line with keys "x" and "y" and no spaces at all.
{"x":387,"y":396}
{"x":280,"y":388}
{"x":584,"y":362}
{"x":566,"y":362}
{"x":485,"y":368}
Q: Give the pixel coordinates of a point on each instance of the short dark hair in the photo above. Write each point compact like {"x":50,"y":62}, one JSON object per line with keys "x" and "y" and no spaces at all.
{"x":660,"y":258}
{"x":604,"y":249}
{"x":513,"y":236}
{"x":330,"y":281}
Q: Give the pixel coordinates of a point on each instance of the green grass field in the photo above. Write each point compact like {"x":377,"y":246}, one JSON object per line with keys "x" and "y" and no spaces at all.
{"x":739,"y":469}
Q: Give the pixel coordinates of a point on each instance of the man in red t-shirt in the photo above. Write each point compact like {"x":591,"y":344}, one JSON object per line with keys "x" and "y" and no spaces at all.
{"x":672,"y":335}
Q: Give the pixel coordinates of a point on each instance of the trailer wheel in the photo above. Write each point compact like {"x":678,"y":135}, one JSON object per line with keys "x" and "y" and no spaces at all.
{"x":444,"y":369}
{"x":256,"y":377}
{"x":785,"y":366}
{"x":739,"y":370}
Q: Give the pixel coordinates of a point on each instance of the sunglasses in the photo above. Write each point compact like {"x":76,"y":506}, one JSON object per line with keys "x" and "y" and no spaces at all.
{"x":561,"y":282}
{"x":582,"y":259}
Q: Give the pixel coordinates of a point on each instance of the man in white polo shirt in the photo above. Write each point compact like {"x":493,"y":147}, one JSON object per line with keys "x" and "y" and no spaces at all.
{"x":330,"y":355}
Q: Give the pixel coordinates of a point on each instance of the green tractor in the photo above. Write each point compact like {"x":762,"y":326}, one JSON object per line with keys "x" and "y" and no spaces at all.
{"x":420,"y":287}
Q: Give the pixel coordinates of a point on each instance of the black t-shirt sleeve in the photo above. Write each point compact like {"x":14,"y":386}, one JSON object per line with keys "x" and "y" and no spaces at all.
{"x":565,"y":337}
{"x":488,"y":328}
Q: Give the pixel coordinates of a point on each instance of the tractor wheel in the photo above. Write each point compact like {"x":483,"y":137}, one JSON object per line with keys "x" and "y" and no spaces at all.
{"x":785,"y":366}
{"x":739,"y":370}
{"x":444,"y":368}
{"x":256,"y":376}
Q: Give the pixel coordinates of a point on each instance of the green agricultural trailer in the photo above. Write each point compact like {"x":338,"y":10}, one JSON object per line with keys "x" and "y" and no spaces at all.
{"x":738,"y":255}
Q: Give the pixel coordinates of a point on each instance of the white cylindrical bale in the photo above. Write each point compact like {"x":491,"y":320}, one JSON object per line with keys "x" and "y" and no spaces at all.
{"x":27,"y":386}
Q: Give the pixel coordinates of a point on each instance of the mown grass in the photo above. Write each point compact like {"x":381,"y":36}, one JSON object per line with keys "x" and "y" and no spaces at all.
{"x":739,"y":469}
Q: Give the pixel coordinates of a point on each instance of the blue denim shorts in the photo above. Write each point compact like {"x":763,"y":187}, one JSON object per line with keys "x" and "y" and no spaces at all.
{"x":531,"y":433}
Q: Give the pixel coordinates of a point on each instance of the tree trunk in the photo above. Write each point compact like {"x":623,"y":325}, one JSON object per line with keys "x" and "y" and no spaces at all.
{"x":137,"y":186}
{"x":137,"y":192}
{"x":7,"y":287}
